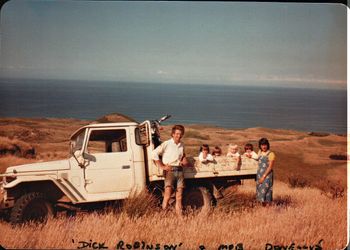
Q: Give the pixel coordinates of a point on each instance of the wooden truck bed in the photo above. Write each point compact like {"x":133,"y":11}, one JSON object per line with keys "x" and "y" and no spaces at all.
{"x":222,"y":166}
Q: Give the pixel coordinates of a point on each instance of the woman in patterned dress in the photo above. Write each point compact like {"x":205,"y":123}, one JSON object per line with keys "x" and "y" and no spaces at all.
{"x":264,"y":178}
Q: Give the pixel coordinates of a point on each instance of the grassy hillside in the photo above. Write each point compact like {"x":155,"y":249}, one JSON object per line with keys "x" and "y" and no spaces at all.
{"x":309,"y":194}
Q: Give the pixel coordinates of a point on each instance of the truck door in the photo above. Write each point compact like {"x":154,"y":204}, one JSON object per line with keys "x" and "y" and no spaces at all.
{"x":145,"y":138}
{"x":110,"y":166}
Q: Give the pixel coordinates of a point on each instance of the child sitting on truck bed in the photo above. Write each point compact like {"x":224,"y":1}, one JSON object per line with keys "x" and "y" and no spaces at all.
{"x":216,"y":152}
{"x":204,"y":155}
{"x":249,"y":152}
{"x":234,"y":154}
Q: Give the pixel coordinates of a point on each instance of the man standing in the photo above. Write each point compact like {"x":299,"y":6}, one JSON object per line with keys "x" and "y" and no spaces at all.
{"x":172,"y":162}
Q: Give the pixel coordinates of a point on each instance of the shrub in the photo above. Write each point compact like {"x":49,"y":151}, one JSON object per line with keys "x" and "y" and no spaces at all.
{"x":140,"y":204}
{"x":319,"y":134}
{"x":283,"y":201}
{"x":331,"y":189}
{"x":338,"y":157}
{"x":16,"y":147}
{"x":296,"y":181}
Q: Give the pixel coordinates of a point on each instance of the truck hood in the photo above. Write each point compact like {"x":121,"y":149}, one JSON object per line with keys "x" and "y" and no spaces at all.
{"x":39,"y":167}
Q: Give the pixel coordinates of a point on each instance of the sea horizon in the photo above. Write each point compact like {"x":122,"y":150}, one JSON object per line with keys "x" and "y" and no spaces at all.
{"x":234,"y":107}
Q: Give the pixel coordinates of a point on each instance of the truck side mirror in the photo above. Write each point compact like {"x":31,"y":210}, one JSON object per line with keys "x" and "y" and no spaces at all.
{"x":78,"y":156}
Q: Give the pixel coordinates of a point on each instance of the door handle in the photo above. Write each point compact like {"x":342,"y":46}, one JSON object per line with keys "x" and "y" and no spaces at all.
{"x":126,"y":167}
{"x":87,"y":181}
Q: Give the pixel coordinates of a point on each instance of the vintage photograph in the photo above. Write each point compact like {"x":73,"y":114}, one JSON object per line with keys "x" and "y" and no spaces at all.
{"x":173,"y":125}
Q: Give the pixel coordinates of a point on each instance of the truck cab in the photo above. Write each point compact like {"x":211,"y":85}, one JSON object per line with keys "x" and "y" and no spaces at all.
{"x":107,"y":161}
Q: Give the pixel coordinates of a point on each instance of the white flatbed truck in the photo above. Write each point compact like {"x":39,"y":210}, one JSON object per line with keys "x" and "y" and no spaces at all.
{"x":108,"y":163}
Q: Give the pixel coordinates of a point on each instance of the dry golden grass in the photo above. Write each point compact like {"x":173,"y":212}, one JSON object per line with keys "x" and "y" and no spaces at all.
{"x":302,"y":216}
{"x":16,"y":147}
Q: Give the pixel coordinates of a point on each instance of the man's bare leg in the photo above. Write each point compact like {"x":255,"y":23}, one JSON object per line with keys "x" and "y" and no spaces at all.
{"x":167,"y":194}
{"x":178,"y":204}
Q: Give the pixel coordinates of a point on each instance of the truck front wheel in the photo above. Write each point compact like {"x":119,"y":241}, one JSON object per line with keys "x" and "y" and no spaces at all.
{"x":31,"y":207}
{"x":198,"y":198}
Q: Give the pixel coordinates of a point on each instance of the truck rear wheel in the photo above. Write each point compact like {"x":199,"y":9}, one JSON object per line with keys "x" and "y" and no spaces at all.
{"x":198,"y":198}
{"x":31,"y":207}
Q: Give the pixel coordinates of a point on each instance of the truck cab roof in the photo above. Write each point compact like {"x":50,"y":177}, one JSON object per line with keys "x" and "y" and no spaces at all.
{"x":105,"y":125}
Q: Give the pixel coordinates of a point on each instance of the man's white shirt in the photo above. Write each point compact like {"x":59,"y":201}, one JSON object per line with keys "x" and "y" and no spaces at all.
{"x":171,"y":152}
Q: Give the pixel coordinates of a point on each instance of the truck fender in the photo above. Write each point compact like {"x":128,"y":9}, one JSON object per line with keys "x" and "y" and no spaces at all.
{"x":73,"y":195}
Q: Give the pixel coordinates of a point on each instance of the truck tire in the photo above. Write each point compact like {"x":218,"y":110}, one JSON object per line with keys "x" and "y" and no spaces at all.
{"x":198,"y":198}
{"x":31,"y":207}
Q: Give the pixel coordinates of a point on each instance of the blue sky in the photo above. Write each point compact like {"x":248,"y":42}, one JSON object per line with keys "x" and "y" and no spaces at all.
{"x":291,"y":44}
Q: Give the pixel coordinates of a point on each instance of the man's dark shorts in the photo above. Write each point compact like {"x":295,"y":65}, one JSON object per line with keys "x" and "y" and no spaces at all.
{"x":174,"y":178}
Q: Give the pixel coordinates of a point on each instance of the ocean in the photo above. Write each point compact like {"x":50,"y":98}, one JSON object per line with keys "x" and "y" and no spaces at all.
{"x":321,"y":110}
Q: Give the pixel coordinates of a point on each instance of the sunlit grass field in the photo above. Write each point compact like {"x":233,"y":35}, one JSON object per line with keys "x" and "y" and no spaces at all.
{"x":309,"y":192}
{"x":303,"y":216}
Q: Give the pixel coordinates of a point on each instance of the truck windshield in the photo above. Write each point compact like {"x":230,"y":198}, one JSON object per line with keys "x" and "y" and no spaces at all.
{"x":77,"y":141}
